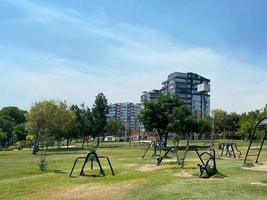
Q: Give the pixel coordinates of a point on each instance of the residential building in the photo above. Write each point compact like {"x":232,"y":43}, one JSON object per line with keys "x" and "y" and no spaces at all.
{"x":192,"y":89}
{"x":149,"y":95}
{"x":127,"y":113}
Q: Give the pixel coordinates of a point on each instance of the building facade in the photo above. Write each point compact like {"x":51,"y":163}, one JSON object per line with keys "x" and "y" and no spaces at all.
{"x":127,"y":113}
{"x":149,"y":95}
{"x":191,"y":88}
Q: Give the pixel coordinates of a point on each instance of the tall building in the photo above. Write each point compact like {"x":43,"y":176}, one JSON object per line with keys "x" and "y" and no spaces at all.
{"x":190,"y":88}
{"x":149,"y":95}
{"x":127,"y":113}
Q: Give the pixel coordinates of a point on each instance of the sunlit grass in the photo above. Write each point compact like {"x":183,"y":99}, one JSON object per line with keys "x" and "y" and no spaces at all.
{"x":135,"y":178}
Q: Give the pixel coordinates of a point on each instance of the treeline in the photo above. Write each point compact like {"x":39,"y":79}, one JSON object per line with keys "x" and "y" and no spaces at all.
{"x":48,"y":123}
{"x":233,"y":125}
{"x":51,"y":122}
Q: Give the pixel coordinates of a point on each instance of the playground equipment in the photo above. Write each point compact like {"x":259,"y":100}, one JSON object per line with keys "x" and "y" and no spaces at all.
{"x":167,"y":151}
{"x":228,"y":149}
{"x":158,"y":147}
{"x":208,"y":162}
{"x":92,"y":157}
{"x":254,"y":151}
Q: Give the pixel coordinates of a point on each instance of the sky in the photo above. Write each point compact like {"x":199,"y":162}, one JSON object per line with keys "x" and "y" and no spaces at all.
{"x":72,"y":50}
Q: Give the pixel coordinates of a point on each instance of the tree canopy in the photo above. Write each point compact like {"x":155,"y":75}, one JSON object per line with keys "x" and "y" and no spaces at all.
{"x":99,"y":113}
{"x":49,"y":119}
{"x":156,"y":115}
{"x":115,"y":127}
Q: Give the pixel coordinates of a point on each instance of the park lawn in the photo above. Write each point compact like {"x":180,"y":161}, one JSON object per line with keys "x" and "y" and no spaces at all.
{"x":20,"y":177}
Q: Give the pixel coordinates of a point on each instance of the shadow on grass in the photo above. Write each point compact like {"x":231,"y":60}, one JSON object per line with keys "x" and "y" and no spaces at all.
{"x":88,"y":176}
{"x":59,"y":172}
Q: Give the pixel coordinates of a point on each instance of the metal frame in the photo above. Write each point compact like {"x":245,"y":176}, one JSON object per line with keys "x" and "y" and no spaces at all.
{"x":167,"y":151}
{"x":91,"y":157}
{"x":157,"y":145}
{"x":252,"y":138}
{"x":203,"y":167}
{"x":229,"y":150}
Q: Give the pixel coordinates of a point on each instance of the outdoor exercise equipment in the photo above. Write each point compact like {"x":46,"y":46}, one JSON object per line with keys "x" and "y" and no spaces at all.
{"x":167,"y":150}
{"x":254,"y":151}
{"x":208,"y":162}
{"x":156,"y":145}
{"x":230,"y":149}
{"x":92,"y":157}
{"x":158,"y":148}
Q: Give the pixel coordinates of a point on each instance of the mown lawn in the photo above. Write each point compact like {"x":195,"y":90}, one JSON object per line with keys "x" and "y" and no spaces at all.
{"x":20,"y":177}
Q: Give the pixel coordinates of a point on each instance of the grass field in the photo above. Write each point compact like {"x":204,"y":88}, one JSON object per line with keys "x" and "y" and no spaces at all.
{"x":20,"y":177}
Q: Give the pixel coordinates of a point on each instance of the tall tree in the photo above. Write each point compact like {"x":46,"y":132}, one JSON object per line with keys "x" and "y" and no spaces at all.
{"x":99,"y":113}
{"x":48,"y":119}
{"x":156,"y":115}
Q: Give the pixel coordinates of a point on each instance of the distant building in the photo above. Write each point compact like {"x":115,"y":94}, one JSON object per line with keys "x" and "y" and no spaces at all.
{"x":190,"y":88}
{"x":127,"y":113}
{"x":149,"y":95}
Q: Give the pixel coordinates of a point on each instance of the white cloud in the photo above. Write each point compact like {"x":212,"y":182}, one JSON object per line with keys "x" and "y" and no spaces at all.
{"x":136,"y":58}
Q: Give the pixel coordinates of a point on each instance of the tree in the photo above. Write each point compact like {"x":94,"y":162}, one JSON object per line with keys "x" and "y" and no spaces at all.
{"x":99,"y":114}
{"x":3,"y":137}
{"x":7,"y":124}
{"x":205,"y":126}
{"x":115,"y":127}
{"x":19,"y":132}
{"x":248,"y":121}
{"x":155,"y":116}
{"x":183,"y":122}
{"x":15,"y":113}
{"x":219,"y":116}
{"x":64,"y":122}
{"x":232,"y":123}
{"x":48,"y":120}
{"x":11,"y":118}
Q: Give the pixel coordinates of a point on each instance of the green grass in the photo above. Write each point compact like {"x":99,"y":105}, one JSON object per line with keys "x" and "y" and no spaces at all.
{"x":20,"y":177}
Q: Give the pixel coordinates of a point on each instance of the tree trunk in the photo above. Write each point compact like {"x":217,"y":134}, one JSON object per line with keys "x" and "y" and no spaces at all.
{"x":68,"y":141}
{"x":166,"y":139}
{"x":36,"y":143}
{"x":98,"y":138}
{"x":87,"y":142}
{"x":177,"y":152}
{"x":83,"y":142}
{"x":58,"y":144}
{"x":186,"y":150}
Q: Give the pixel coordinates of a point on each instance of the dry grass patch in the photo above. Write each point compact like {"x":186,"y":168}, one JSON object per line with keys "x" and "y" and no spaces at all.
{"x":260,"y":168}
{"x":147,"y":168}
{"x":259,"y":183}
{"x":184,"y":174}
{"x":90,"y":191}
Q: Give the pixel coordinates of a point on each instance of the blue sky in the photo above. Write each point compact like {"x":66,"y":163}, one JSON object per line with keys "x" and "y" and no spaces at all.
{"x":73,"y":50}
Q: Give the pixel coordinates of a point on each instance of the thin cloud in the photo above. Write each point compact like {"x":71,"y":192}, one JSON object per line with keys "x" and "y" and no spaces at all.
{"x":134,"y":58}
